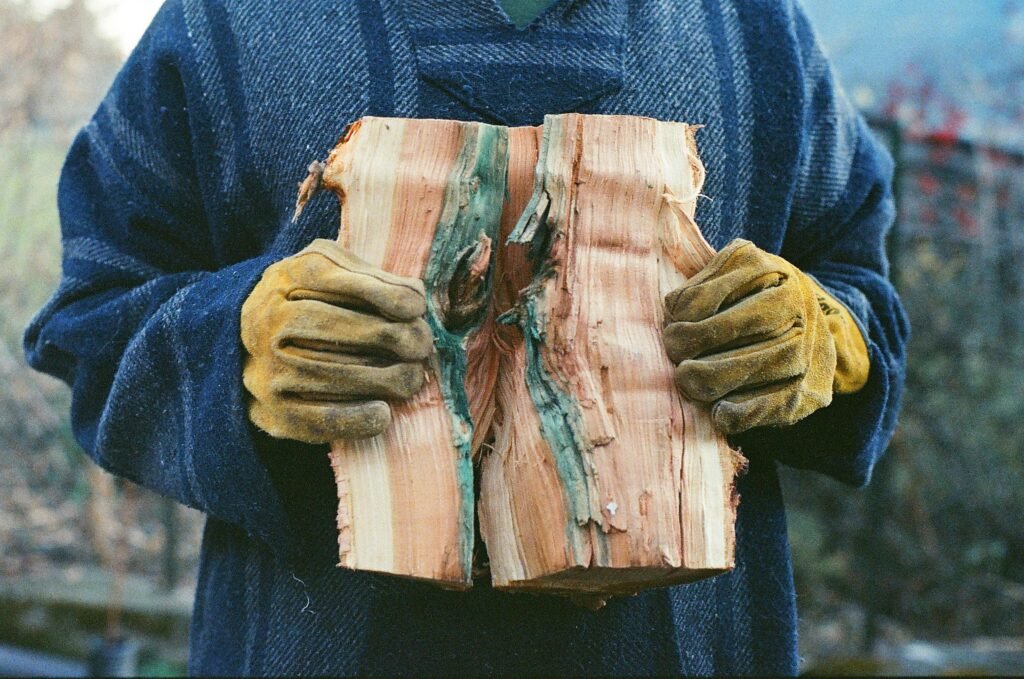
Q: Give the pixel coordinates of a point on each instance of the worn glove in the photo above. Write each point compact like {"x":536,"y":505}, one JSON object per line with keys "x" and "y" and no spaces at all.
{"x":761,"y":340}
{"x":330,"y":339}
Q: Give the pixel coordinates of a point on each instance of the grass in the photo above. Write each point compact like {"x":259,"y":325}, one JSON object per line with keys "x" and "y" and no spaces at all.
{"x":29,"y":229}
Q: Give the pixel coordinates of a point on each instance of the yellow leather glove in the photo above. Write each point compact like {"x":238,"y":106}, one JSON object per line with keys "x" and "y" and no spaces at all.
{"x":761,"y":340}
{"x":330,"y":340}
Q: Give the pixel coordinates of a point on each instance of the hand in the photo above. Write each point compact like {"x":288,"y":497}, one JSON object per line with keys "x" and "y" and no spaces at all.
{"x":759,"y":339}
{"x":330,"y":340}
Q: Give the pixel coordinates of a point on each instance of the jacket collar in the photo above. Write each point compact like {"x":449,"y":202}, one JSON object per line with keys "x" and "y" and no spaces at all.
{"x":564,"y":59}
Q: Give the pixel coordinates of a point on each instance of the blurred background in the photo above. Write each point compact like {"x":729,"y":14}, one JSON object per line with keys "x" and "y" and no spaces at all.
{"x":922,"y":572}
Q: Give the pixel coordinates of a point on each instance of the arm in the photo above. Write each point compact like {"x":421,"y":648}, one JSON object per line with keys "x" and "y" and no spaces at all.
{"x":847,"y":438}
{"x":801,"y":356}
{"x":145,"y":324}
{"x":841,"y":214}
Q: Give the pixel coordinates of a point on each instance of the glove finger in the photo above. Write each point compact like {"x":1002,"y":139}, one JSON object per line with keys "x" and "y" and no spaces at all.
{"x":760,"y":317}
{"x":720,"y":260}
{"x":330,"y":381}
{"x":316,"y":325}
{"x":330,"y":273}
{"x":712,"y":377}
{"x":778,"y":405}
{"x":348,"y":260}
{"x":320,"y":422}
{"x":327,"y":352}
{"x":732,"y":275}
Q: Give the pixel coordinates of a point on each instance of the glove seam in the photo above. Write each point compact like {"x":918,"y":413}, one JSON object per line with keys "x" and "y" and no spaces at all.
{"x":856,"y":319}
{"x":350,"y":270}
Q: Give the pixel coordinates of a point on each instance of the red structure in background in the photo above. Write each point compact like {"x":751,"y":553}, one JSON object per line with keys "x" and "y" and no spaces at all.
{"x":952,"y":186}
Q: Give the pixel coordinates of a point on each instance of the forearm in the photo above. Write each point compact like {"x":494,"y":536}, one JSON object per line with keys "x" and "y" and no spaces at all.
{"x":847,"y":258}
{"x":155,"y":371}
{"x":144,"y":327}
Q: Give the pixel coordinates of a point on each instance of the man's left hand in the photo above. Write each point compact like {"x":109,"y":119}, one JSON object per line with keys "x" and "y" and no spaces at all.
{"x":761,"y":340}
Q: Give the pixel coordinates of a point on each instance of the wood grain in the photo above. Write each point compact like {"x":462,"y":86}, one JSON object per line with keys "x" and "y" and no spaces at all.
{"x":421,"y":198}
{"x":546,"y":253}
{"x":611,"y":482}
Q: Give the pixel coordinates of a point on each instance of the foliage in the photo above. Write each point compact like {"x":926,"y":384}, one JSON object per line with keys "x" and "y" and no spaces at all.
{"x":55,"y":510}
{"x":937,"y":543}
{"x":51,"y":89}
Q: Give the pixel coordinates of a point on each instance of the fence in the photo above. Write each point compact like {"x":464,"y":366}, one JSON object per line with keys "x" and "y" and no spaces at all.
{"x":939,"y":544}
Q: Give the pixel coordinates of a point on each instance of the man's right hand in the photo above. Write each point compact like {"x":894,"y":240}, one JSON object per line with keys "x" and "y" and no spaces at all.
{"x":330,"y":340}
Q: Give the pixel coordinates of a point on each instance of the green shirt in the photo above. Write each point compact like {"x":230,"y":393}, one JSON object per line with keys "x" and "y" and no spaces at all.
{"x":522,"y":12}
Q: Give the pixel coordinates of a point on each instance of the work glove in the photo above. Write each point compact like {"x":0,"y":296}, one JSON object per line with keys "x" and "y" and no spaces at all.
{"x":330,"y":340}
{"x":761,"y":340}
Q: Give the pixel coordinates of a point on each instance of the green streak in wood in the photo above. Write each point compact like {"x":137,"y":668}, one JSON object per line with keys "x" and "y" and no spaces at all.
{"x":560,"y":415}
{"x":470,"y":212}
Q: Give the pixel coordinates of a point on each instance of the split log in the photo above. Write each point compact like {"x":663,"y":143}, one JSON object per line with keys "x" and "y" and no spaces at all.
{"x":422,"y":198}
{"x":601,"y":477}
{"x":594,"y":475}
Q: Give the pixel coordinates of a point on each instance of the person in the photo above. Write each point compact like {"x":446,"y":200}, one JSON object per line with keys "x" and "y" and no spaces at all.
{"x":180,"y":255}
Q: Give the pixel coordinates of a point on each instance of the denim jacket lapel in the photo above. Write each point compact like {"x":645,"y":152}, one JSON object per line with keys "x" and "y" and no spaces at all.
{"x":569,"y":56}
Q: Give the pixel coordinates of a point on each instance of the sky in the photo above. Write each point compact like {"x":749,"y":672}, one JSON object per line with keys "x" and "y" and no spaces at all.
{"x":964,"y":44}
{"x":122,"y":20}
{"x":954,"y":65}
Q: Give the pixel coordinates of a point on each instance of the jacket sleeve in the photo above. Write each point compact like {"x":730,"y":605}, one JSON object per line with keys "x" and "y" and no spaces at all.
{"x":842,"y":210}
{"x":144,"y":326}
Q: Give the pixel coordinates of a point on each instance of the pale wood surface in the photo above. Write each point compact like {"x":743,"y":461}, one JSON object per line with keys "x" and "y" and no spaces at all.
{"x":610,"y":482}
{"x":594,"y":475}
{"x":406,"y":496}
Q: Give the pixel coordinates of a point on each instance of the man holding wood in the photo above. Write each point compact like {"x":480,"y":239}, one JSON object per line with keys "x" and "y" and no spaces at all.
{"x":214,"y":345}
